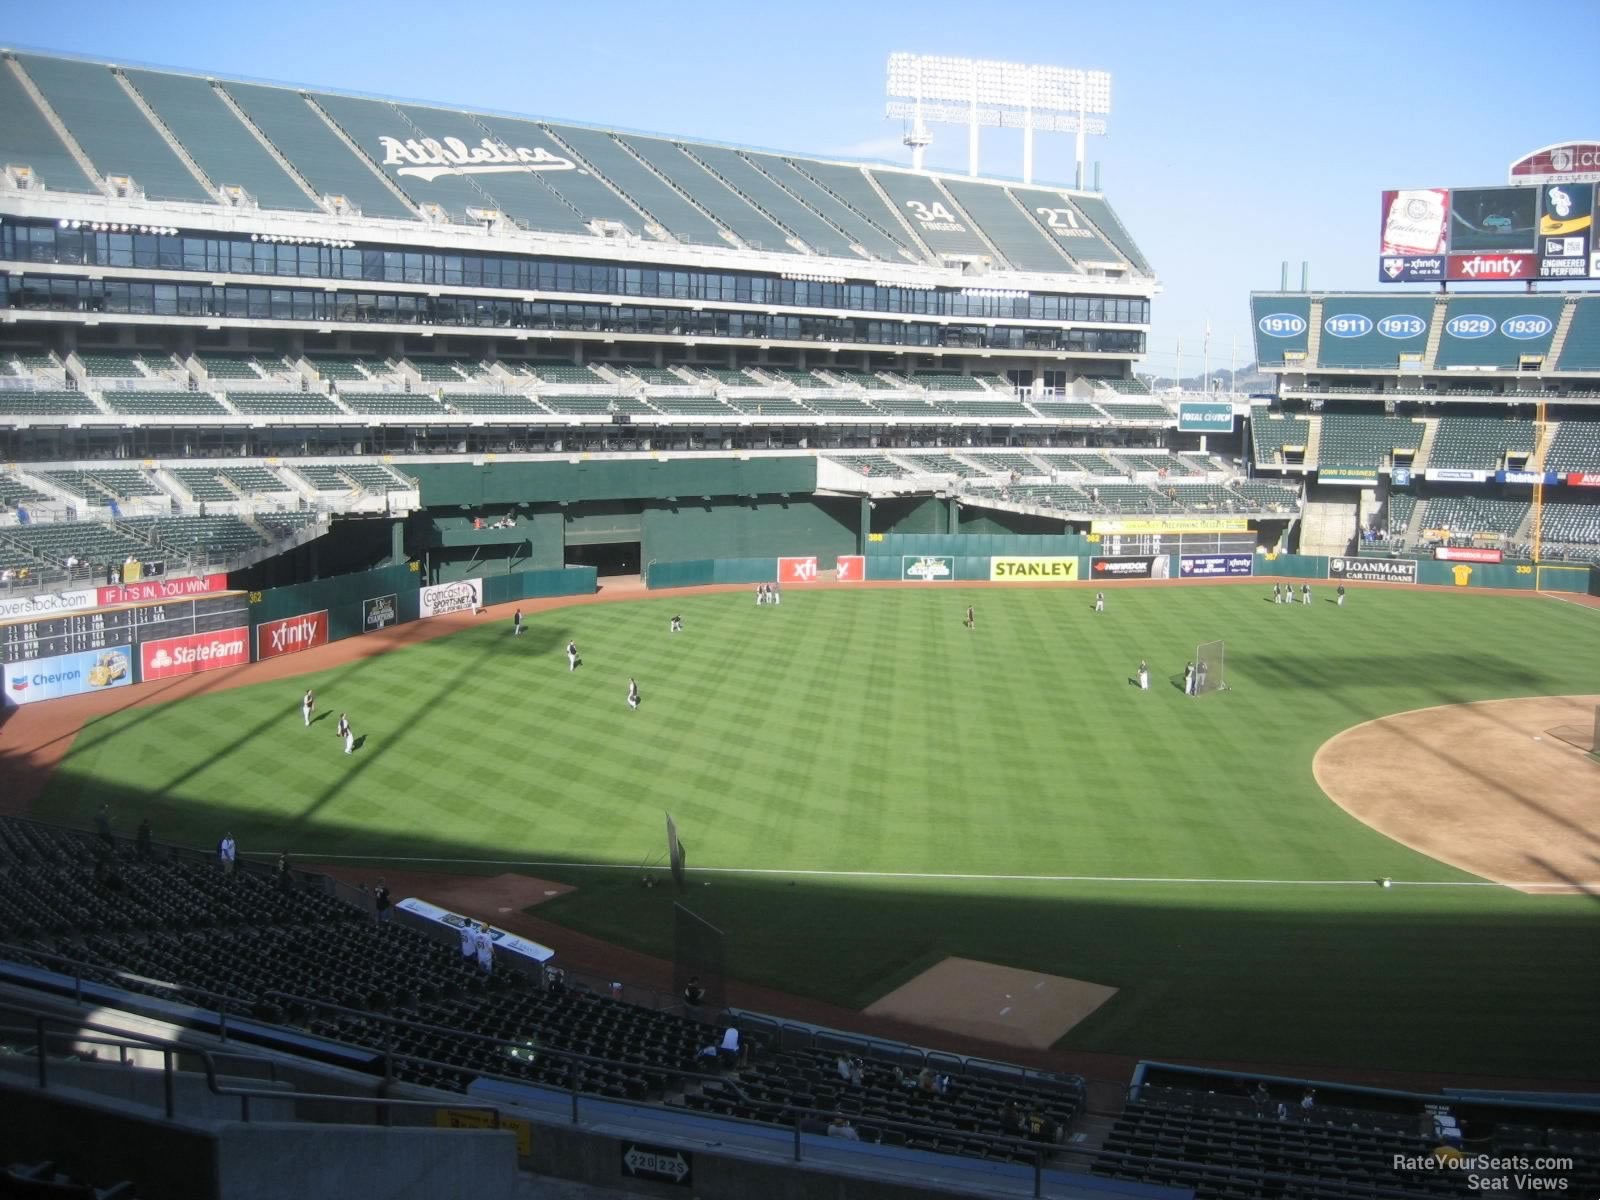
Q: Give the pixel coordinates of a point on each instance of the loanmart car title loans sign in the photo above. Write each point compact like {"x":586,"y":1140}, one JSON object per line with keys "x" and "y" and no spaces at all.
{"x":1373,"y":570}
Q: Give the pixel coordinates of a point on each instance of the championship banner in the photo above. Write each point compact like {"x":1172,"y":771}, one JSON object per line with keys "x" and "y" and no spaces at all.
{"x":291,"y":635}
{"x":1373,"y":570}
{"x":160,"y":589}
{"x":193,"y":653}
{"x":1466,"y":554}
{"x":1133,"y":566}
{"x":1213,"y":566}
{"x":850,"y":568}
{"x":1205,"y":417}
{"x":437,"y":599}
{"x":797,"y":570}
{"x":378,"y":611}
{"x":928,"y":568}
{"x":1170,"y":525}
{"x":44,"y":604}
{"x":67,"y":675}
{"x":1033,"y":568}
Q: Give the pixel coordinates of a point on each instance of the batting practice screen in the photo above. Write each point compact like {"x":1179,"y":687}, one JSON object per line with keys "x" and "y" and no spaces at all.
{"x":1210,"y":664}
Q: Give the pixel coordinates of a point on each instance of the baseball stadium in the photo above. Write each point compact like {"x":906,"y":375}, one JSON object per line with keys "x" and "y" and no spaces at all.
{"x":808,"y":716}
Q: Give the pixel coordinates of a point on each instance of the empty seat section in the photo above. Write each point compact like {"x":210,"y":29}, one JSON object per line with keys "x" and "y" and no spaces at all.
{"x":368,"y":122}
{"x":218,"y":142}
{"x":1480,"y":443}
{"x":1135,"y":412}
{"x":27,"y":140}
{"x":851,"y":186}
{"x":879,"y":466}
{"x":1271,"y":432}
{"x":996,"y":409}
{"x":947,"y":381}
{"x":374,"y":477}
{"x":348,"y":368}
{"x":165,"y":404}
{"x":103,"y":484}
{"x":641,"y":185}
{"x":837,"y":406}
{"x":579,"y":188}
{"x":521,"y":194}
{"x":493,"y":404}
{"x":108,"y":125}
{"x":203,"y":484}
{"x":1067,"y":410}
{"x":314,"y":150}
{"x":942,"y":464}
{"x":1111,"y":229}
{"x":690,"y":406}
{"x":14,"y":492}
{"x":855,"y":226}
{"x":396,"y":404}
{"x":931,"y":213}
{"x":253,"y":479}
{"x":1062,"y":220}
{"x":1366,"y":439}
{"x":1014,"y":233}
{"x":228,"y":366}
{"x":710,"y":193}
{"x":564,"y":373}
{"x":1463,"y":516}
{"x":1576,"y":447}
{"x":1581,"y":351}
{"x":593,"y":406}
{"x":1004,"y":464}
{"x":100,"y":365}
{"x":769,"y":404}
{"x":772,"y":199}
{"x":284,"y":404}
{"x":904,"y":406}
{"x":324,"y":479}
{"x":46,"y":404}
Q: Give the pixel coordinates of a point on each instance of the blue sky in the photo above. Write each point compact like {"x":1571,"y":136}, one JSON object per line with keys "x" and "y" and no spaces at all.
{"x":1242,"y":134}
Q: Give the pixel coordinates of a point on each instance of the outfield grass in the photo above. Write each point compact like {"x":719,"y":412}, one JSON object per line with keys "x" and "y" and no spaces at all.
{"x":870,"y":732}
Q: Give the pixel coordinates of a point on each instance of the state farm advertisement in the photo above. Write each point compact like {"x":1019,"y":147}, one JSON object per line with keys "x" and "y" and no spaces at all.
{"x":162,"y":589}
{"x":291,"y":635}
{"x":193,"y":653}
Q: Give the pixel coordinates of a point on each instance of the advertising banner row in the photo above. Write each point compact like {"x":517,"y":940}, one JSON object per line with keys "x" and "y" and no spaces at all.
{"x":58,"y":675}
{"x":45,"y":604}
{"x":1489,"y":234}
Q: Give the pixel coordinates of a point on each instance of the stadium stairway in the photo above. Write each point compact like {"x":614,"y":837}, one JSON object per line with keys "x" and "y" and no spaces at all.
{"x":1313,"y":441}
{"x":1328,"y":522}
{"x":1430,"y":432}
{"x":1547,"y":437}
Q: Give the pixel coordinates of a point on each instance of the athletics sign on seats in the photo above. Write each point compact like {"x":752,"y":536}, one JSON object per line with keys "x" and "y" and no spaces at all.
{"x":797,"y":570}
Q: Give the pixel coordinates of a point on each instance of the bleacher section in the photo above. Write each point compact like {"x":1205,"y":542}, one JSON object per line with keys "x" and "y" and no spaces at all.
{"x":277,"y":952}
{"x":1479,"y":443}
{"x":110,"y":366}
{"x":562,"y":373}
{"x":1575,"y":526}
{"x":88,"y":541}
{"x":1581,"y":352}
{"x":203,"y":484}
{"x":217,"y":538}
{"x":103,"y":485}
{"x":1135,"y":412}
{"x":323,"y":479}
{"x":374,"y":478}
{"x":1464,"y":516}
{"x":1366,"y":439}
{"x":228,"y":366}
{"x":992,"y":409}
{"x":595,"y":406}
{"x":13,"y":493}
{"x":940,"y":464}
{"x":1067,"y":410}
{"x":46,"y":404}
{"x":284,"y":404}
{"x":164,"y":404}
{"x":512,"y":404}
{"x":345,"y":369}
{"x":1270,"y":432}
{"x":391,"y":404}
{"x":1575,"y":447}
{"x":877,"y":466}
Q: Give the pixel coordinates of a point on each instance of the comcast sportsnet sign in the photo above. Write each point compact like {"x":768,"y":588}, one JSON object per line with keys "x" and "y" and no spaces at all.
{"x":193,"y":653}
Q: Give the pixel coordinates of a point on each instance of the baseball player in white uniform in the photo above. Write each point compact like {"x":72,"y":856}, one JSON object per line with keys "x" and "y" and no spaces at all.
{"x":485,"y":947}
{"x":308,"y":704}
{"x":345,"y":732}
{"x":1144,"y":676}
{"x":572,"y":656}
{"x":469,"y":941}
{"x":633,"y":694}
{"x":1099,"y":602}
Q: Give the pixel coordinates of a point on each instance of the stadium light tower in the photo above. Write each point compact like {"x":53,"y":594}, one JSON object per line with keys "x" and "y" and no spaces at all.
{"x":983,"y":93}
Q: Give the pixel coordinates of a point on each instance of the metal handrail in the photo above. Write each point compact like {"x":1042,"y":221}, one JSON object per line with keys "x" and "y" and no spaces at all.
{"x":170,"y":1047}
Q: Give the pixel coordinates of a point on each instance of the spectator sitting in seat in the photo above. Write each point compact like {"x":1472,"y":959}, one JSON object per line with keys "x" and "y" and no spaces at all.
{"x":730,"y":1045}
{"x":840,"y":1128}
{"x":1011,"y":1122}
{"x":693,"y":994}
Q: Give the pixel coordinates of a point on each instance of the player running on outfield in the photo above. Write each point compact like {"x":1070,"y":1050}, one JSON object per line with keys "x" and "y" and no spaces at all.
{"x":572,"y":656}
{"x":633,"y":694}
{"x":676,"y":625}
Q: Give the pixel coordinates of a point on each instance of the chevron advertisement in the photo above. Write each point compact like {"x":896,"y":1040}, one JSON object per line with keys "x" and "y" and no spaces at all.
{"x":67,"y":675}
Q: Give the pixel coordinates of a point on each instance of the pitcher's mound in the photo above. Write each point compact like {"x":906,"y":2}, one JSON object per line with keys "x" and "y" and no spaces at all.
{"x":995,"y":1003}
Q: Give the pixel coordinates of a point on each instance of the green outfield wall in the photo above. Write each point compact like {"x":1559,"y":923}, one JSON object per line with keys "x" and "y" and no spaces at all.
{"x":343,"y":596}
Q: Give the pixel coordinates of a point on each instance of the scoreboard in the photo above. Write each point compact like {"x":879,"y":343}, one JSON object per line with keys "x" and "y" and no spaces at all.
{"x":25,"y":641}
{"x":54,"y":656}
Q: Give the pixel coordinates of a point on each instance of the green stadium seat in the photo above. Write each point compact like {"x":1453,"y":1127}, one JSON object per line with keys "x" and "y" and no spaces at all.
{"x":46,"y":404}
{"x":164,"y":404}
{"x":1480,"y":443}
{"x":284,"y":404}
